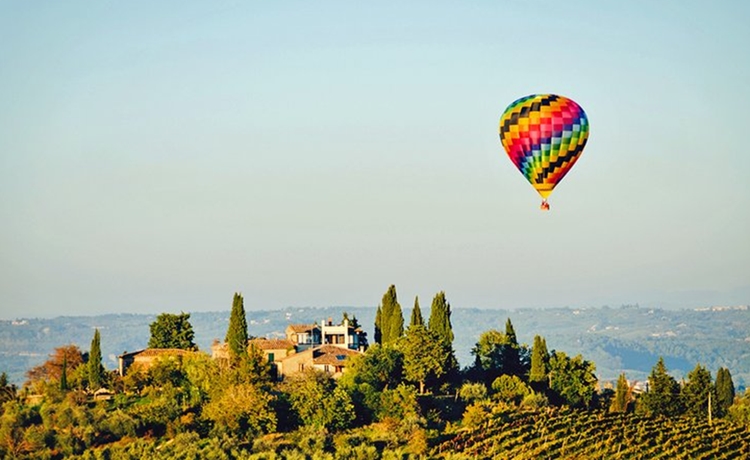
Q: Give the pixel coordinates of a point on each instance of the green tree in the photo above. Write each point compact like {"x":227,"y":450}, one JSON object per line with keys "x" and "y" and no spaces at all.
{"x":172,"y":331}
{"x":64,"y":375}
{"x":416,"y":314}
{"x":510,"y":388}
{"x":318,"y":402}
{"x":243,"y":410}
{"x":368,"y":375}
{"x":440,"y":318}
{"x":513,"y":365}
{"x":96,"y":371}
{"x":495,"y":354}
{"x":237,"y":332}
{"x":392,"y":318}
{"x":663,"y":395}
{"x":471,"y":392}
{"x":378,"y":335}
{"x":380,"y":367}
{"x":539,"y":364}
{"x":572,"y":380}
{"x":623,"y":395}
{"x":695,"y":392}
{"x":426,"y":356}
{"x":7,"y":390}
{"x":724,"y":390}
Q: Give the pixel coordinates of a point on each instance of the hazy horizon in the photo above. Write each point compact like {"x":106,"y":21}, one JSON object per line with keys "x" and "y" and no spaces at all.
{"x":160,"y":157}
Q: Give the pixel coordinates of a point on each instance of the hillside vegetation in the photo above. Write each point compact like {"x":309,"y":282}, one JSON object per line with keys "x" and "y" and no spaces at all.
{"x":404,"y":396}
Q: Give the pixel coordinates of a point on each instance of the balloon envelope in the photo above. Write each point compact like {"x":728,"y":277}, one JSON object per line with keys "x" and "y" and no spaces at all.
{"x":544,"y":135}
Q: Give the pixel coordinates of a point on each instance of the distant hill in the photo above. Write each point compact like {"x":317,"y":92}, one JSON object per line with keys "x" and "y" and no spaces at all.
{"x":626,"y":339}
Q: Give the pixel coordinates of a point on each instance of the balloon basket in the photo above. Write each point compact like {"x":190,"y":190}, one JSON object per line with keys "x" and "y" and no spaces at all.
{"x":544,"y":206}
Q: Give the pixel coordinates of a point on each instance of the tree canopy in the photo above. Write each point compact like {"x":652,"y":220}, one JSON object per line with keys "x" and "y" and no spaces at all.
{"x":172,"y":331}
{"x":573,"y":380}
{"x":663,"y":395}
{"x":695,"y":393}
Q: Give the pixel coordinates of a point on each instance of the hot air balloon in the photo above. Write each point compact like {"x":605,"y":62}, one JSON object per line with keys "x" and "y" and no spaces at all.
{"x":544,"y":135}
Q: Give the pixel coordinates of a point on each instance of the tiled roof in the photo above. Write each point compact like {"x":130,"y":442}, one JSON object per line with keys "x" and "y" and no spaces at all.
{"x":272,"y":344}
{"x":150,"y":352}
{"x":301,"y":327}
{"x":330,"y":354}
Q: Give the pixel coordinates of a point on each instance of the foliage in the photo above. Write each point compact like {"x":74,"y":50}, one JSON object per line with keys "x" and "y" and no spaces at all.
{"x":380,"y":367}
{"x":416,"y":314}
{"x":663,"y":395}
{"x":191,"y":406}
{"x":172,"y":331}
{"x":378,"y":334}
{"x":399,"y":403}
{"x":471,"y":392}
{"x":96,"y":372}
{"x":52,"y":368}
{"x":241,"y":410}
{"x":534,"y":401}
{"x":510,"y":388}
{"x":539,"y":363}
{"x":440,"y":318}
{"x":572,"y":380}
{"x":7,"y":390}
{"x":623,"y":395}
{"x":391,"y":323}
{"x":426,"y":355}
{"x":496,"y":354}
{"x":236,"y":337}
{"x":695,"y":393}
{"x":318,"y":402}
{"x":724,"y":390}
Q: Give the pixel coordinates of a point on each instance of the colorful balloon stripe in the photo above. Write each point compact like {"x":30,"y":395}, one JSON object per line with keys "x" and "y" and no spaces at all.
{"x":544,"y":135}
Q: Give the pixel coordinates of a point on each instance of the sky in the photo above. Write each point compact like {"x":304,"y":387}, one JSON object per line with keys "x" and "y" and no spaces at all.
{"x":160,"y":156}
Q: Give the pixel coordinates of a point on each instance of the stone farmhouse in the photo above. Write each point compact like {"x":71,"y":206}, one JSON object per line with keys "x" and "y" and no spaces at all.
{"x":144,"y":359}
{"x":324,"y":346}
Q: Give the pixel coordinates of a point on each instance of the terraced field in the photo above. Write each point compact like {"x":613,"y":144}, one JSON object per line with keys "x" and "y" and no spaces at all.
{"x":572,"y":434}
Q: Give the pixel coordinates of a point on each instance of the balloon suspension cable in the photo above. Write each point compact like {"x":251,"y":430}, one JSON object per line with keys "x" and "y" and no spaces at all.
{"x":544,"y":206}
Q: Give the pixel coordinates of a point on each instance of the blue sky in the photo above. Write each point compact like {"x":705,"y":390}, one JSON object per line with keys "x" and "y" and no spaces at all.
{"x":160,"y":157}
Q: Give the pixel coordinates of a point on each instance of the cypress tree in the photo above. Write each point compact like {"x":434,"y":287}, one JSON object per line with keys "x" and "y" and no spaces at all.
{"x":416,"y":314}
{"x":512,"y":352}
{"x":539,"y":363}
{"x":510,"y":332}
{"x":95,"y":368}
{"x":392,"y":318}
{"x":440,"y":318}
{"x":724,"y":390}
{"x":64,"y":374}
{"x":378,"y":336}
{"x":622,"y":395}
{"x":237,"y":332}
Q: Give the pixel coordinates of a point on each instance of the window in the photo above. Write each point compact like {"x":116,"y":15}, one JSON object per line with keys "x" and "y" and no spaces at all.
{"x":301,"y":367}
{"x":270,"y":357}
